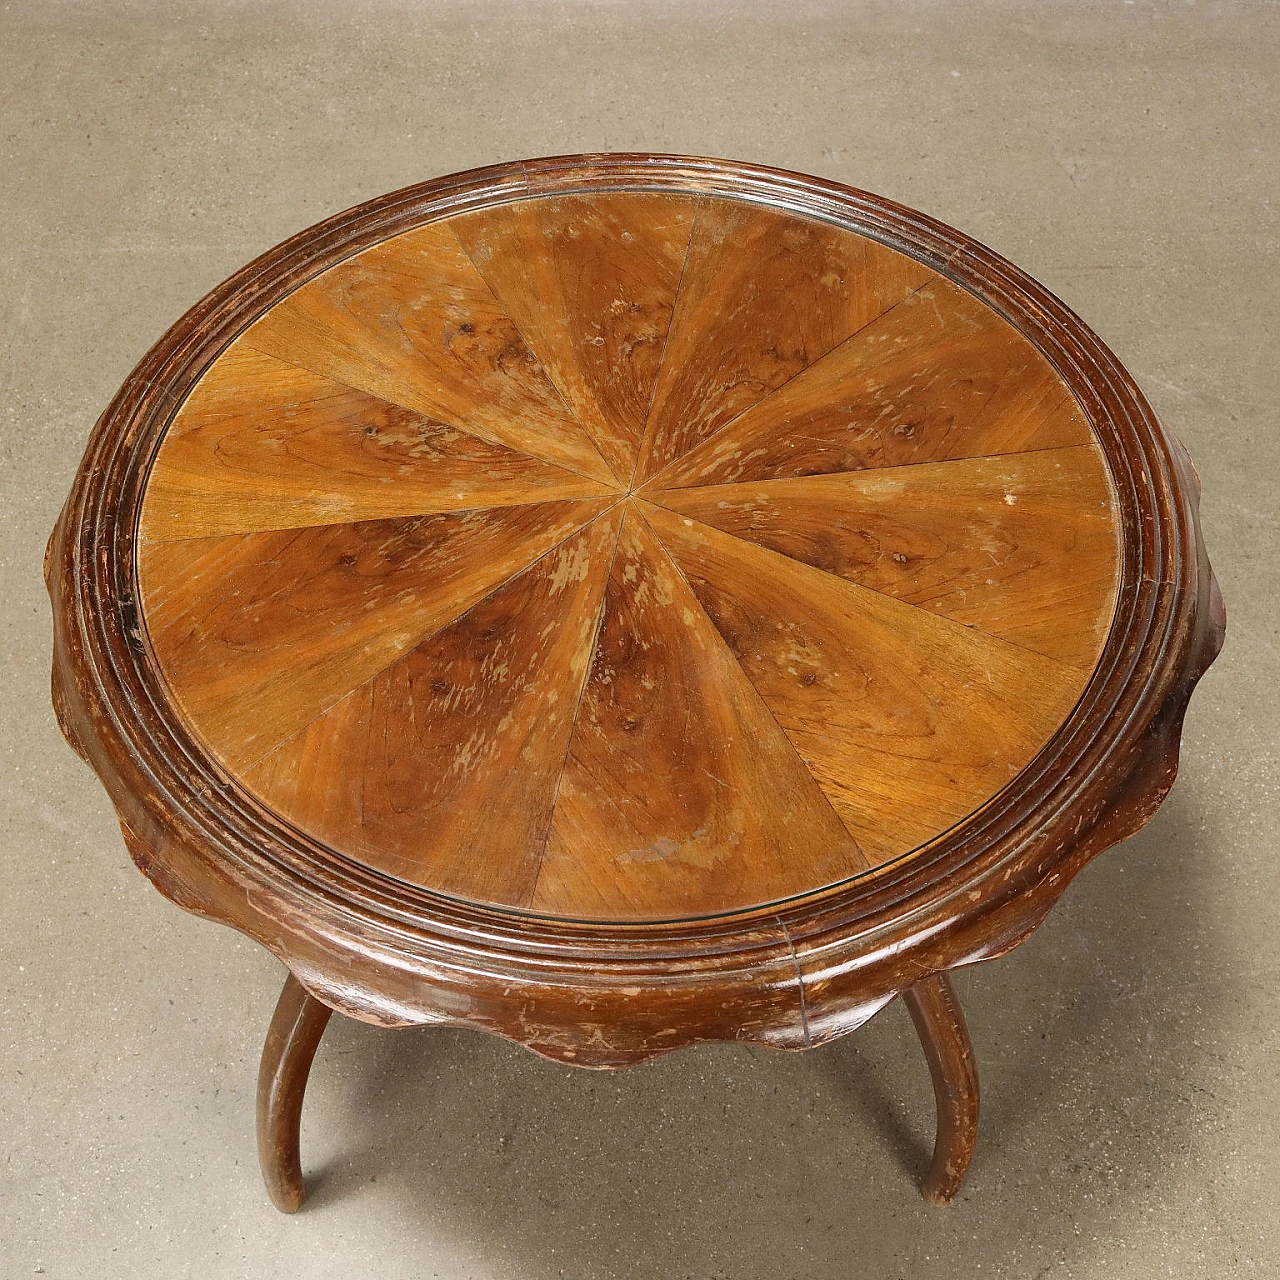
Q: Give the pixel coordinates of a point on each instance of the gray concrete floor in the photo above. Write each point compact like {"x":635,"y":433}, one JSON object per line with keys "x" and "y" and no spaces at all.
{"x":1123,"y":153}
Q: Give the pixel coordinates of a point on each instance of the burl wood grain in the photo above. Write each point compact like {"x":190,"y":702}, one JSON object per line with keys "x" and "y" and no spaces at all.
{"x":908,"y":720}
{"x":260,"y":633}
{"x":679,"y":787}
{"x":398,"y":579}
{"x":261,"y":444}
{"x":764,"y":295}
{"x":938,"y":376}
{"x":1021,"y":546}
{"x":590,"y":281}
{"x":459,"y":743}
{"x":412,"y":321}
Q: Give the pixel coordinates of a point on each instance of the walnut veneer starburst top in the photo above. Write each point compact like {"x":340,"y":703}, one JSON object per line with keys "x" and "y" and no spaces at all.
{"x":627,"y":556}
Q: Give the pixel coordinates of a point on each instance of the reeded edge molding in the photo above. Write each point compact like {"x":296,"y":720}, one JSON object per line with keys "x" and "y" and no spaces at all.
{"x":789,"y":975}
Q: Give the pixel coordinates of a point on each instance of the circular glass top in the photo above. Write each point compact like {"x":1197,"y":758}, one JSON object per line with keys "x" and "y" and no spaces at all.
{"x":627,"y":555}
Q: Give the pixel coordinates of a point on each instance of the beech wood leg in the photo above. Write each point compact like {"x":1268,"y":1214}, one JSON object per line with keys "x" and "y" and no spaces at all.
{"x":296,"y":1027}
{"x":940,"y":1025}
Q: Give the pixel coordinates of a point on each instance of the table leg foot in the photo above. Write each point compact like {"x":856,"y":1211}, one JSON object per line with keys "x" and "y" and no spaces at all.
{"x":940,"y":1025}
{"x":296,"y":1027}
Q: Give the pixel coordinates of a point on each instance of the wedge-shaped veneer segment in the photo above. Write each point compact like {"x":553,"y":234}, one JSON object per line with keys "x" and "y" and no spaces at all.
{"x":679,"y":785}
{"x":1022,"y":546}
{"x":261,"y":444}
{"x":412,"y":321}
{"x":258,"y":634}
{"x":909,"y":721}
{"x":459,"y":742}
{"x":763,"y":296}
{"x":590,"y":281}
{"x":939,"y":376}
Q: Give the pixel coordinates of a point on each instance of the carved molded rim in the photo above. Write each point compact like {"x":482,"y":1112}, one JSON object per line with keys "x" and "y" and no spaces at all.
{"x":977,"y":890}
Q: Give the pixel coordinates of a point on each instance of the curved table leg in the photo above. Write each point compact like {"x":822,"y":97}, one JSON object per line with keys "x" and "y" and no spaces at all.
{"x":296,"y":1027}
{"x":940,"y":1025}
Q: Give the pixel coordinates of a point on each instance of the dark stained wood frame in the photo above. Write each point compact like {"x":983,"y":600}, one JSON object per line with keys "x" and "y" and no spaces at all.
{"x":791,"y":975}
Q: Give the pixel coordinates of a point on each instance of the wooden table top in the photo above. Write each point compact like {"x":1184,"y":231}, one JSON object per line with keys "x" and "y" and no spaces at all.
{"x":628,"y":540}
{"x":628,"y":556}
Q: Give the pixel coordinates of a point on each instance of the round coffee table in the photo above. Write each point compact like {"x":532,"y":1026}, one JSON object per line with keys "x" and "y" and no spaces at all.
{"x":619,"y":602}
